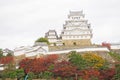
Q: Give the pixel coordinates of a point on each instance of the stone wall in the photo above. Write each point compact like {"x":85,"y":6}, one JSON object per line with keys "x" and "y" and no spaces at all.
{"x":83,"y":42}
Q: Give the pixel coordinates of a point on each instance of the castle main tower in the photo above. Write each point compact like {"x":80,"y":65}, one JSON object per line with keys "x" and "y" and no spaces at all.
{"x":76,"y":30}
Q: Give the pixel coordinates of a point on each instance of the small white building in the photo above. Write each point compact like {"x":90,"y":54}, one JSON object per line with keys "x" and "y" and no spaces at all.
{"x":7,"y":51}
{"x":52,"y":36}
{"x":37,"y":49}
{"x":2,"y":67}
{"x":21,"y":50}
{"x":29,"y":51}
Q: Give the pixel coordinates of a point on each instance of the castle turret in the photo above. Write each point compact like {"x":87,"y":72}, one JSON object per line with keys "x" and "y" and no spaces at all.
{"x":52,"y":36}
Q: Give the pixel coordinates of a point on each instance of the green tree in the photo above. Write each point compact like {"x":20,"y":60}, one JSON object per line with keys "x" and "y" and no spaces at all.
{"x":9,"y":71}
{"x":8,"y":74}
{"x":115,"y":55}
{"x":42,"y":40}
{"x":20,"y":74}
{"x":47,"y":75}
{"x":10,"y":67}
{"x":117,"y":75}
{"x":12,"y":74}
{"x":77,"y":60}
{"x":1,"y":53}
{"x":9,"y":54}
{"x":31,"y":75}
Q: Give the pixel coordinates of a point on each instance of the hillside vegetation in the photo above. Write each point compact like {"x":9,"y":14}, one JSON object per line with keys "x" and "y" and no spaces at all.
{"x":76,"y":66}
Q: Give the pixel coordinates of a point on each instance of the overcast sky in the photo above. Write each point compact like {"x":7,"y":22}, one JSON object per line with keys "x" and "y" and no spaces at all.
{"x":24,"y":21}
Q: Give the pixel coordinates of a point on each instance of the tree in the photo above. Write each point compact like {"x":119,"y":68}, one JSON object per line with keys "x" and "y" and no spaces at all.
{"x":94,"y":60}
{"x":1,"y":53}
{"x":26,"y":64}
{"x":64,"y":69}
{"x":117,"y":70}
{"x":116,"y":56}
{"x":107,"y":74}
{"x":88,"y":74}
{"x":6,"y":60}
{"x":20,"y":74}
{"x":42,"y":40}
{"x":77,"y":60}
{"x":47,"y":75}
{"x":38,"y":65}
{"x":31,"y":75}
{"x":108,"y":45}
{"x":9,"y":54}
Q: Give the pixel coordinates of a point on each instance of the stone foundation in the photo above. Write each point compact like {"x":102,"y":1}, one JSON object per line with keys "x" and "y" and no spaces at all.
{"x":83,"y":42}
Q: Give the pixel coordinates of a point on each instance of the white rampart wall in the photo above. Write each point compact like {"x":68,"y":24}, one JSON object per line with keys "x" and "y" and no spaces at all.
{"x":80,"y":50}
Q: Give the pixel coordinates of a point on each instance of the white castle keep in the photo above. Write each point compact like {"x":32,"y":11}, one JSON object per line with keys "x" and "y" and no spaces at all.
{"x":76,"y":31}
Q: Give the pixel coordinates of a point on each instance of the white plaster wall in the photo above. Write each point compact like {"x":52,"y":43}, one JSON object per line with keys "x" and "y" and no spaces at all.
{"x":52,"y":40}
{"x":79,"y":50}
{"x":75,"y":37}
{"x":18,"y":53}
{"x":5,"y":54}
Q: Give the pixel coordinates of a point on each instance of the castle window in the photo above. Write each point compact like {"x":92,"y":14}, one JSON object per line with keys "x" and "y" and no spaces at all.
{"x":88,"y":26}
{"x":74,"y":43}
{"x":54,"y":44}
{"x":64,"y":27}
{"x":64,"y":44}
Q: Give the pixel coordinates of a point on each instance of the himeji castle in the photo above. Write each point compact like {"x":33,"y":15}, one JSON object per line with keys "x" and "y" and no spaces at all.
{"x":75,"y":35}
{"x":76,"y":31}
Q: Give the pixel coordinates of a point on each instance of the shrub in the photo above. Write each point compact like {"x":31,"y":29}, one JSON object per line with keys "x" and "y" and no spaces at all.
{"x":94,"y":60}
{"x":30,"y":75}
{"x":38,"y":65}
{"x":77,"y":60}
{"x":64,"y":69}
{"x":107,"y":74}
{"x":6,"y":60}
{"x":117,"y":69}
{"x":47,"y":75}
{"x":42,"y":40}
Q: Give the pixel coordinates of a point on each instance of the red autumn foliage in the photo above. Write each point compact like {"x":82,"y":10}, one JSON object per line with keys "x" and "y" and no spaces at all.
{"x":88,"y":73}
{"x":26,"y":64}
{"x":38,"y":65}
{"x":6,"y":60}
{"x":64,"y":69}
{"x":52,"y":58}
{"x":106,"y":45}
{"x":107,"y":74}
